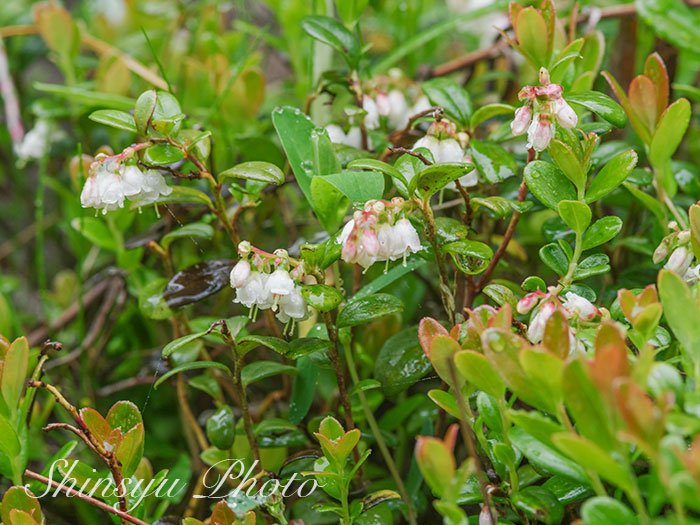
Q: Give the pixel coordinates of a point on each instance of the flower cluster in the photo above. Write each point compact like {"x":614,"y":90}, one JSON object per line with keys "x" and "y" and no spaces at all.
{"x":573,"y":307}
{"x":111,"y":181}
{"x":391,"y":106}
{"x":446,"y":145}
{"x":547,"y":105}
{"x":380,"y":232}
{"x":682,"y":257}
{"x":263,"y":281}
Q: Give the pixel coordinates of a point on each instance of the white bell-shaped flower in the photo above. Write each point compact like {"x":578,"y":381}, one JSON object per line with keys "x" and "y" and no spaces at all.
{"x":579,"y":306}
{"x":535,"y":331}
{"x":292,"y":306}
{"x":280,"y":283}
{"x":252,"y":291}
{"x":240,"y":274}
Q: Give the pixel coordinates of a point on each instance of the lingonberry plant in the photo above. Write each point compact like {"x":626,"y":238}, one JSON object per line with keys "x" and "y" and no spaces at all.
{"x":349,"y":262}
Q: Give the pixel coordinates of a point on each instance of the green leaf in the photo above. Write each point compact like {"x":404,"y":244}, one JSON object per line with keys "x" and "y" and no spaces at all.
{"x":600,"y":104}
{"x":304,"y":346}
{"x":592,"y":265}
{"x":554,"y":257}
{"x":564,"y":157}
{"x":433,"y":178}
{"x":545,"y":458}
{"x":114,"y":118}
{"x":385,"y":279}
{"x":602,"y":510}
{"x":332,"y":32}
{"x":294,"y":130}
{"x":650,"y":202}
{"x":124,"y":415}
{"x":96,"y":231}
{"x":143,"y":110}
{"x":195,"y":365}
{"x":162,"y":155}
{"x":378,"y":165}
{"x":611,"y":176}
{"x":669,"y":132}
{"x":601,"y":231}
{"x":363,"y":386}
{"x":493,"y":162}
{"x":485,"y":113}
{"x":303,"y":391}
{"x":445,"y":400}
{"x":221,"y":428}
{"x":328,"y":203}
{"x":9,"y":441}
{"x":185,"y":194}
{"x":263,"y":369}
{"x":367,"y":309}
{"x":249,"y":342}
{"x":258,"y":171}
{"x":322,"y":297}
{"x":17,"y":498}
{"x":576,"y":215}
{"x":539,"y":504}
{"x":500,"y":294}
{"x":14,"y":372}
{"x":596,"y":459}
{"x":401,"y":362}
{"x":130,"y":451}
{"x":197,"y":230}
{"x":681,"y":312}
{"x":448,"y":94}
{"x":479,"y":371}
{"x":86,"y":97}
{"x":358,"y":186}
{"x":674,"y":21}
{"x":471,"y":257}
{"x":531,"y":30}
{"x":180,"y":342}
{"x":151,"y":300}
{"x":548,"y":183}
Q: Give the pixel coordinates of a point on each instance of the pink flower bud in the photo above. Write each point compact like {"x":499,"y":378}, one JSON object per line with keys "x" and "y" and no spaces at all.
{"x":240,"y":273}
{"x":528,"y":302}
{"x":369,"y":242}
{"x":523,"y":115}
{"x":349,"y":251}
{"x":527,"y":92}
{"x":544,"y":76}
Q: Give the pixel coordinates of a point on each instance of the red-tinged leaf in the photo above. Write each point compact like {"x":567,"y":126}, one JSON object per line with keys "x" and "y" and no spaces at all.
{"x":19,"y":517}
{"x":428,"y":329}
{"x":503,"y":318}
{"x":648,"y":296}
{"x":609,"y":364}
{"x":17,"y":498}
{"x":627,"y":301}
{"x":531,"y":30}
{"x":479,"y":371}
{"x":609,"y":334}
{"x":442,"y":352}
{"x":347,"y":443}
{"x":637,"y":124}
{"x":556,"y":334}
{"x":96,"y":424}
{"x":331,"y":428}
{"x":223,"y":515}
{"x":655,"y":69}
{"x":642,"y":93}
{"x":550,"y":19}
{"x":436,"y":460}
{"x":124,"y":415}
{"x":644,"y":418}
{"x":514,"y":9}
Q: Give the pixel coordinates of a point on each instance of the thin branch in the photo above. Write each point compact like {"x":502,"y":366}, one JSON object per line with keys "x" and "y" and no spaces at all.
{"x":87,"y":499}
{"x":412,"y":153}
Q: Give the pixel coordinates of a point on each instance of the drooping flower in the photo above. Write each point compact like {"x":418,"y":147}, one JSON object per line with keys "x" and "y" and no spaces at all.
{"x":579,"y":306}
{"x":379,"y":233}
{"x":240,"y":273}
{"x":680,"y":260}
{"x":543,"y":106}
{"x":535,"y":331}
{"x":442,"y":143}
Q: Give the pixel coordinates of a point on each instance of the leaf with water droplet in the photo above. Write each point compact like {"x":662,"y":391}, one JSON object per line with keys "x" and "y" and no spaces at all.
{"x":471,"y":257}
{"x":322,"y":297}
{"x":197,"y":282}
{"x":151,"y":301}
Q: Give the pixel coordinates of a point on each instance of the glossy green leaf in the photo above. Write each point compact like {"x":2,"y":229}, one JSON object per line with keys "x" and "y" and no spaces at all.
{"x":86,"y":97}
{"x":673,"y":20}
{"x":186,"y":195}
{"x":564,"y":157}
{"x":358,"y":186}
{"x":489,"y":111}
{"x":332,"y":32}
{"x":114,"y":118}
{"x":433,"y":178}
{"x":198,"y":230}
{"x":575,"y":214}
{"x":548,"y":183}
{"x":18,"y":498}
{"x":471,"y":257}
{"x":600,"y":104}
{"x":249,"y":342}
{"x":221,"y":428}
{"x":258,"y":171}
{"x":448,"y":94}
{"x":539,"y":504}
{"x":96,"y":231}
{"x":554,"y":257}
{"x":322,"y":297}
{"x":493,"y":162}
{"x":162,"y":155}
{"x":611,"y":176}
{"x":263,"y":369}
{"x":367,"y":309}
{"x":14,"y":372}
{"x":601,"y":231}
{"x":531,"y":30}
{"x":401,"y":362}
{"x":130,"y":450}
{"x":180,"y":342}
{"x":669,"y":132}
{"x":592,"y":265}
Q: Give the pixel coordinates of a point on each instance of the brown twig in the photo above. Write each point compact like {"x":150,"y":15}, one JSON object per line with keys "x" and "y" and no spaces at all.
{"x":412,"y":153}
{"x":88,"y":499}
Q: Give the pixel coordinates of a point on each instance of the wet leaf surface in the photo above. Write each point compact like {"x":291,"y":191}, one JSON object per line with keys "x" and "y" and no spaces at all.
{"x":197,"y":282}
